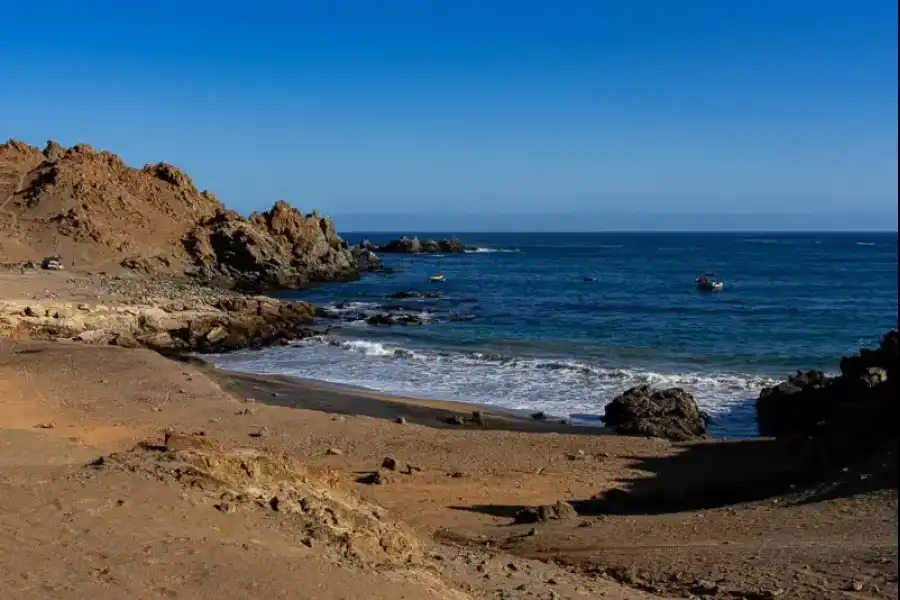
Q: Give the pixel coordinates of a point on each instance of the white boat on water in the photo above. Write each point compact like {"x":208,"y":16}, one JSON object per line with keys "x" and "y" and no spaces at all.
{"x":708,"y":282}
{"x":437,"y":279}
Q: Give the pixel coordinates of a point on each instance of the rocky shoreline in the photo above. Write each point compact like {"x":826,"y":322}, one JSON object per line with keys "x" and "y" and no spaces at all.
{"x":850,"y":416}
{"x":162,"y":315}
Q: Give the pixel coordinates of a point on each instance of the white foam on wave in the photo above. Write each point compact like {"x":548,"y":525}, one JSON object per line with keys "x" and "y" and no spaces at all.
{"x":368,"y":348}
{"x":866,"y":244}
{"x":556,"y":387}
{"x":489,"y":250}
{"x":363,"y":310}
{"x":350,"y":307}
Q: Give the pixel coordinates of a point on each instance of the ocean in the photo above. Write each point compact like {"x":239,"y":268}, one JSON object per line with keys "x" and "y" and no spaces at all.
{"x":518,"y":326}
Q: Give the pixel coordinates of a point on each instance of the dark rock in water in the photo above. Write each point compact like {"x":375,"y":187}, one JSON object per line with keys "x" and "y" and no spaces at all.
{"x":541,"y":514}
{"x":461,"y":318}
{"x":381,"y":319}
{"x":850,"y":415}
{"x":413,"y":295}
{"x":671,"y":414}
{"x":367,"y":260}
{"x":413,"y":245}
{"x":388,"y":319}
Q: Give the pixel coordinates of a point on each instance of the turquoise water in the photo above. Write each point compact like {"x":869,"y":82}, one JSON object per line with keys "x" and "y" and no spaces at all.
{"x":518,"y":326}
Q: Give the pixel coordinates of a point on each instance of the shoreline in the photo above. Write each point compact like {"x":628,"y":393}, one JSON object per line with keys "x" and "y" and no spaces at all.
{"x":115,"y":437}
{"x":333,"y":398}
{"x":737,"y":421}
{"x":93,"y":424}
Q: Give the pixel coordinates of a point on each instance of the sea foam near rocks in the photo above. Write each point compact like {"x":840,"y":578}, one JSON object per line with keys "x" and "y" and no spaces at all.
{"x":561,"y":388}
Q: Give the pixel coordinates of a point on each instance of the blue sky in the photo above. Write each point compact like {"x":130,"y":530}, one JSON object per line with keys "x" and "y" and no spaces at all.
{"x":428,"y":108}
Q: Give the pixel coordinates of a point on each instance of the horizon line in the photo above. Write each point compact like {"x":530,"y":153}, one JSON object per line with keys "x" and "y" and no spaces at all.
{"x":639,"y":231}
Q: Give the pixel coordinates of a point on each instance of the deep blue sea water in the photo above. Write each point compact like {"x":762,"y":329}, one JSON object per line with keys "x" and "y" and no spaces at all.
{"x":542,"y":338}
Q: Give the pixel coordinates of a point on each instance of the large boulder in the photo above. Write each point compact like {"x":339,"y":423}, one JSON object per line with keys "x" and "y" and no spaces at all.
{"x":671,"y":414}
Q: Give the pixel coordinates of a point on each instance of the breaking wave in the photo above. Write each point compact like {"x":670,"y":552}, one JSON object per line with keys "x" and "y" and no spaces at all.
{"x":558,"y":387}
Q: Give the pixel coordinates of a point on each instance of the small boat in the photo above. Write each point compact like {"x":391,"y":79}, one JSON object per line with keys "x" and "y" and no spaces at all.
{"x":588,"y":279}
{"x":708,"y":282}
{"x":437,"y":279}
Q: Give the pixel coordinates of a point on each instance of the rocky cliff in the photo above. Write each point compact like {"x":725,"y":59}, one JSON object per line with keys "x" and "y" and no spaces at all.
{"x":94,"y":211}
{"x":277,"y":248}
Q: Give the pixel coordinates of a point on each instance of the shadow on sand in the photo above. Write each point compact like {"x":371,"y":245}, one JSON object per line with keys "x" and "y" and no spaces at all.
{"x":710,"y":475}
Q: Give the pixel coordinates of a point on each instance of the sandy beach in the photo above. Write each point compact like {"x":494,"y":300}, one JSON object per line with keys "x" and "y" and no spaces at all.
{"x":97,"y":502}
{"x":130,"y":468}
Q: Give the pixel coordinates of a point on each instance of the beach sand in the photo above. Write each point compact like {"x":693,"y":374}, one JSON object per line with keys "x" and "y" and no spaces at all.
{"x":194,"y":517}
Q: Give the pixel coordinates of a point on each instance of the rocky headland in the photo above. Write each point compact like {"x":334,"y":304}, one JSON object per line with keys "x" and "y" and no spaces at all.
{"x":96,"y":213}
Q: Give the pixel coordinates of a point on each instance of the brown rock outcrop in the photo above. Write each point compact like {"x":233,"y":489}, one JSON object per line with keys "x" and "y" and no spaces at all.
{"x":277,"y":248}
{"x":227,"y":325}
{"x":94,"y":211}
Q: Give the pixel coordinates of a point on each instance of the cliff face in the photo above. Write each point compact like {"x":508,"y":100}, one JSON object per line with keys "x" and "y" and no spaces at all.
{"x":278,"y":248}
{"x":96,"y":212}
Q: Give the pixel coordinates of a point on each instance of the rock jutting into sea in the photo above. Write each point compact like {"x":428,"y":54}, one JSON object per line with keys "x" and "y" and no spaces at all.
{"x":280,"y":248}
{"x":414,"y":245}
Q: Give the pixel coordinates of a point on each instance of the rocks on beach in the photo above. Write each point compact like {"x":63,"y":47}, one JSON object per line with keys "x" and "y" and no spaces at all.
{"x":850,"y":414}
{"x":540,"y":514}
{"x":229,"y":323}
{"x":670,"y":414}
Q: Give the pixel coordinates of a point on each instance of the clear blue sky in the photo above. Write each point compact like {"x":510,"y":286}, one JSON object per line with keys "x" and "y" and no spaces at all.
{"x":455,"y":106}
